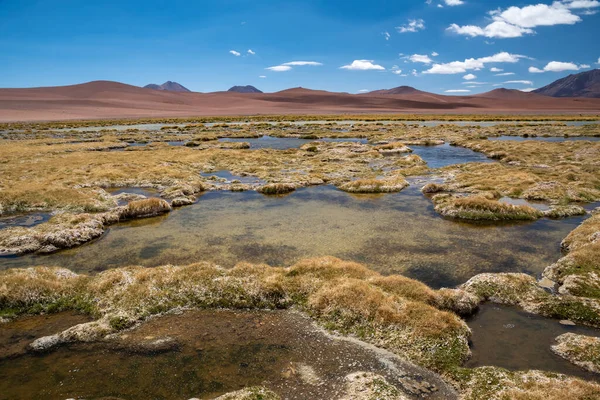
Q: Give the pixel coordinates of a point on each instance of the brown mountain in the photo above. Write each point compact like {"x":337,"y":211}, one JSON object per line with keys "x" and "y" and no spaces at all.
{"x":108,"y":100}
{"x":584,"y":84}
{"x":397,"y":90}
{"x":168,"y":86}
{"x":244,"y":89}
{"x":508,"y":94}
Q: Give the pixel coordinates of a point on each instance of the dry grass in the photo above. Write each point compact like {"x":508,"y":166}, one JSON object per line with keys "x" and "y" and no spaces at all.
{"x":388,"y":185}
{"x":478,"y":208}
{"x":560,"y":172}
{"x":276,"y":188}
{"x":342,"y":296}
{"x":145,"y":208}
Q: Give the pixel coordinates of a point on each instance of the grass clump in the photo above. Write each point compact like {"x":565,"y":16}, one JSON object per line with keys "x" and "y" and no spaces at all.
{"x":276,"y":188}
{"x":145,"y":208}
{"x":493,"y":383}
{"x":479,"y":208}
{"x":578,"y":272}
{"x":388,"y":185}
{"x":583,"y":351}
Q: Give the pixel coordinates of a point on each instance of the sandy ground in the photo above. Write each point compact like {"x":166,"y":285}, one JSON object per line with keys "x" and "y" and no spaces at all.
{"x":104,"y":99}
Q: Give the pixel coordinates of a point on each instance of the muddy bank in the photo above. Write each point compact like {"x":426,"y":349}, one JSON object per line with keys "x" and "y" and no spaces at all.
{"x":217,"y":352}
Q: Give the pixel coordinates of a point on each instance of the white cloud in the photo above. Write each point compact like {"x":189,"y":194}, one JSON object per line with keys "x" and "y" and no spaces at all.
{"x":584,"y":66}
{"x":279,"y":68}
{"x":497,"y":29}
{"x":362,"y":65}
{"x":475,"y":83}
{"x":454,"y":2}
{"x":262,"y":76}
{"x":288,"y":65}
{"x":582,"y":4}
{"x":421,"y":58}
{"x":494,"y":69}
{"x":598,"y":62}
{"x":413,"y":25}
{"x":386,"y":35}
{"x":251,"y":52}
{"x":434,"y":54}
{"x":518,"y":21}
{"x":235,"y":53}
{"x":536,"y":15}
{"x":469,"y":77}
{"x":458,"y":91}
{"x":558,"y":66}
{"x":396,"y":70}
{"x":530,"y":89}
{"x":519,"y":83}
{"x":302,"y":63}
{"x":505,"y":74}
{"x":363,"y":91}
{"x":459,"y":67}
{"x":414,"y":72}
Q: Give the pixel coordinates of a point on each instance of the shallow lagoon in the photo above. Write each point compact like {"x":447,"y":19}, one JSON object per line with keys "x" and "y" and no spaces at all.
{"x":392,"y":233}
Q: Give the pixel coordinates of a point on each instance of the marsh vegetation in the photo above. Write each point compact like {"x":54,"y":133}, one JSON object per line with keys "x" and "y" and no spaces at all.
{"x":427,"y":221}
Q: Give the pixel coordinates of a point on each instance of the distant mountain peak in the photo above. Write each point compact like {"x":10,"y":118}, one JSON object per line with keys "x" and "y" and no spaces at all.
{"x":583,"y":84}
{"x":168,"y":86}
{"x":244,"y":89}
{"x":397,"y":90}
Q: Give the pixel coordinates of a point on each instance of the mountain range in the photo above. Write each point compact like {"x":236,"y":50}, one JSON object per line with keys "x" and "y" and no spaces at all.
{"x":107,"y":99}
{"x":583,"y":84}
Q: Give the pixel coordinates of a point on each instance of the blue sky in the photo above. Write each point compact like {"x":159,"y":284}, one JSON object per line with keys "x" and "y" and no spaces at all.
{"x":443,"y":46}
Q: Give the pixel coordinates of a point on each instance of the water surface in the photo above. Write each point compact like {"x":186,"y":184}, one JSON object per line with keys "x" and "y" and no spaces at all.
{"x":446,"y":154}
{"x":509,"y":338}
{"x":391,"y":233}
{"x":25,"y":220}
